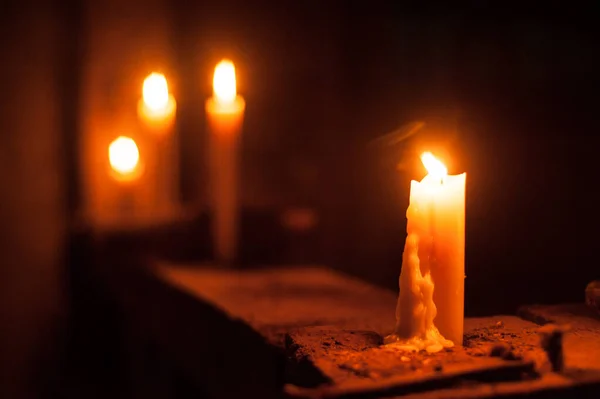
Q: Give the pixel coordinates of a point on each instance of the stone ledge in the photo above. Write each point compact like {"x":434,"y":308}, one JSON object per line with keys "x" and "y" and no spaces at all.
{"x":330,"y":326}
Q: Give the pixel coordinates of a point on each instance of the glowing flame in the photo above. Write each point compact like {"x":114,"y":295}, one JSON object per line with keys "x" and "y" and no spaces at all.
{"x":155,"y":92}
{"x":123,"y":155}
{"x":435,"y":168}
{"x":224,"y":84}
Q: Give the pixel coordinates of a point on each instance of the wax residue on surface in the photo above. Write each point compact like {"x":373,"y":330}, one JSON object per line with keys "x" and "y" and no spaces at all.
{"x":416,"y":310}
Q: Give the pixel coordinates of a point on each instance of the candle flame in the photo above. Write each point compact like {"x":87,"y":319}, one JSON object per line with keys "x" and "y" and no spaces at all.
{"x":224,"y":83}
{"x":155,"y":91}
{"x":435,"y":168}
{"x":123,"y":155}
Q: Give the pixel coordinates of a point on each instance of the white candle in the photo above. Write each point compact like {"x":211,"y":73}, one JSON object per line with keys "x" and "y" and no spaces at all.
{"x":225,"y":115}
{"x":430,"y":310}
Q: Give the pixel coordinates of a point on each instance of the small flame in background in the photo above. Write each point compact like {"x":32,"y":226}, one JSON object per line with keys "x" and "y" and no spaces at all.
{"x":155,"y":92}
{"x":224,"y":82}
{"x":123,"y":155}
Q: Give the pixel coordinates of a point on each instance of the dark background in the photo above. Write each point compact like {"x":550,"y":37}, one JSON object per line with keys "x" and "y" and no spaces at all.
{"x":509,"y":93}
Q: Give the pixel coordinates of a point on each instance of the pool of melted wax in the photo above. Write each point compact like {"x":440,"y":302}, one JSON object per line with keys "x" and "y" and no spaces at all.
{"x":433,"y":342}
{"x":343,"y":362}
{"x":389,"y":360}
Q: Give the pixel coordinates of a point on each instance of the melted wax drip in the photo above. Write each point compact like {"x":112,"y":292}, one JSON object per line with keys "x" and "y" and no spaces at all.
{"x":416,"y":310}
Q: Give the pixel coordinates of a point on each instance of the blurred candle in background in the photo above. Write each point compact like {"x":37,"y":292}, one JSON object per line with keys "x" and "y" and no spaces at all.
{"x":124,"y":158}
{"x":126,"y":168}
{"x":156,"y":111}
{"x":157,"y":106}
{"x":225,"y":115}
{"x":115,"y":101}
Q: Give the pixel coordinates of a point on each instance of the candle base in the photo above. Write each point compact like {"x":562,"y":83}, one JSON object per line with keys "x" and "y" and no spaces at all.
{"x":416,"y":310}
{"x":433,"y":342}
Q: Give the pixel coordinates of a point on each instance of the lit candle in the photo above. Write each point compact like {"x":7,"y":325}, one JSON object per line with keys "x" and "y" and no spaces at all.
{"x":126,"y":168}
{"x":430,"y":310}
{"x":225,"y":114}
{"x":157,"y":106}
{"x":156,"y":110}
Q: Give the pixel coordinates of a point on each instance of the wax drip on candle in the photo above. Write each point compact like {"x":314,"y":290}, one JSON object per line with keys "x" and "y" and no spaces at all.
{"x":417,"y":289}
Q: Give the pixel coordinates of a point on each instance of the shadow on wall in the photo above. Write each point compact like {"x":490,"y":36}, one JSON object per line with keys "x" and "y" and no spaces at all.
{"x":31,"y":204}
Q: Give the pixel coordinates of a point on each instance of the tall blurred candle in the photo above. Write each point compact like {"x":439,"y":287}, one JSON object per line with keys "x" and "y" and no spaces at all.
{"x":225,"y":115}
{"x":430,"y":310}
{"x":156,"y":110}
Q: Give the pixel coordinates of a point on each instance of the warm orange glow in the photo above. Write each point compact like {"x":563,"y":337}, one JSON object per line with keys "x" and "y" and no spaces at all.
{"x":124,"y":156}
{"x":157,"y":106}
{"x":155,"y":92}
{"x":224,"y":83}
{"x":435,"y":168}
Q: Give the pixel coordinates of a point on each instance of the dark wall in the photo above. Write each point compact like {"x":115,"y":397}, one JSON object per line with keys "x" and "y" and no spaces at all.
{"x":507,"y":92}
{"x":31,"y":202}
{"x":512,"y":97}
{"x":288,"y":70}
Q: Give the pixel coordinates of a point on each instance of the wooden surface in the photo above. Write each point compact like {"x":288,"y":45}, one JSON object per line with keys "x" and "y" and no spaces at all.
{"x":330,"y":327}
